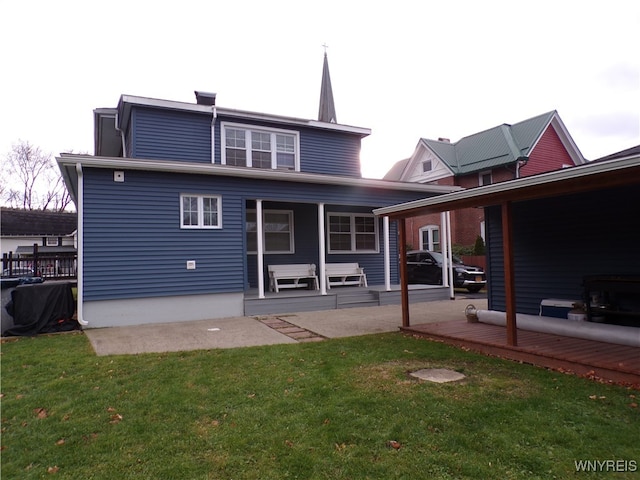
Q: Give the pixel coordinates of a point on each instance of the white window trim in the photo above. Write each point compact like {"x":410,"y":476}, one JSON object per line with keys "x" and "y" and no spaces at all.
{"x":201,"y":225}
{"x":291,"y":234}
{"x":51,"y":241}
{"x":430,"y":229}
{"x":353,"y":250}
{"x":255,"y":128}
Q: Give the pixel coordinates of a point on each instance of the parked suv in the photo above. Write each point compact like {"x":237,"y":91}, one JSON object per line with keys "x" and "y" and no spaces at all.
{"x":426,"y":267}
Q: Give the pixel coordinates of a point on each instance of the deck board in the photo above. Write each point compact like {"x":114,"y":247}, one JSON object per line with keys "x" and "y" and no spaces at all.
{"x":604,"y":361}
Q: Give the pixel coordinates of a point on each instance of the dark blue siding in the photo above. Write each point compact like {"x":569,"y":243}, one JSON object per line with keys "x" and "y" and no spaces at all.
{"x":171,"y":135}
{"x":558,"y":241}
{"x":134,"y":247}
{"x":331,"y":153}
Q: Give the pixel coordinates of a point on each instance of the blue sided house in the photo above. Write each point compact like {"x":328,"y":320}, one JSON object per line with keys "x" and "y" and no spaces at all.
{"x":191,"y":211}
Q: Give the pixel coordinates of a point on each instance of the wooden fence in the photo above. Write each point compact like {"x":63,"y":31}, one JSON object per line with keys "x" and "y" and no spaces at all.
{"x":52,"y":266}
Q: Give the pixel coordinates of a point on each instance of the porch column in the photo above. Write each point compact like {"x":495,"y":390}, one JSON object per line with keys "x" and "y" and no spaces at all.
{"x":387,"y":259}
{"x":509,"y":279}
{"x":260,"y":256}
{"x":452,"y":294}
{"x":445,"y":249}
{"x":404,"y":284}
{"x":321,"y":250}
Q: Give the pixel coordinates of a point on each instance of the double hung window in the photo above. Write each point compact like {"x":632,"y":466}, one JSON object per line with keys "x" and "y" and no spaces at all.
{"x":277,"y":231}
{"x":352,"y":233}
{"x":430,"y":238}
{"x":246,"y":146}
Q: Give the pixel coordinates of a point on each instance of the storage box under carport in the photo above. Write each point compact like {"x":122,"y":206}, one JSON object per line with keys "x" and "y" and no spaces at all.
{"x":555,"y":307}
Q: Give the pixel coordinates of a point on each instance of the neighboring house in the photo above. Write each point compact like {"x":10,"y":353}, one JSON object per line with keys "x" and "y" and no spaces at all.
{"x":185,"y":205}
{"x":53,"y":232}
{"x":563,"y":228}
{"x":505,"y":152}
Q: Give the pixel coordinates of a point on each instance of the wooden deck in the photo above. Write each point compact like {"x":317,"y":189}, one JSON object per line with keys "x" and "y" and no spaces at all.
{"x":596,"y":360}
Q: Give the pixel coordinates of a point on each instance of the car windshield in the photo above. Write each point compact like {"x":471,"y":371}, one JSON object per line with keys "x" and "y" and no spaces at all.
{"x":438,"y":257}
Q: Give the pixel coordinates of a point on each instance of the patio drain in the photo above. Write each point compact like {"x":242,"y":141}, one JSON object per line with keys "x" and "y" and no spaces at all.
{"x":290,"y":330}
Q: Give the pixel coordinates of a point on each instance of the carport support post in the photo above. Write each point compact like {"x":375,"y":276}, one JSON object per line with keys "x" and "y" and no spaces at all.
{"x":404,"y":284}
{"x":509,"y":280}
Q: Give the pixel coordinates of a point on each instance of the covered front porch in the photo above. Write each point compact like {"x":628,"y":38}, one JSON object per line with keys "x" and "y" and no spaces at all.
{"x":302,"y":300}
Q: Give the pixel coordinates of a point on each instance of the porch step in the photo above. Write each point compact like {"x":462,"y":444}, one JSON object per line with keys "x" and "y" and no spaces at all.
{"x":360,"y":299}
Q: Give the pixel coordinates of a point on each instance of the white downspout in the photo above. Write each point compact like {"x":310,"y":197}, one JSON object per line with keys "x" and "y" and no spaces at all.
{"x":452,"y":294}
{"x":80,"y":234}
{"x":321,"y":250}
{"x":124,"y":144}
{"x":259,"y":228}
{"x":387,"y":259}
{"x":214,"y":113}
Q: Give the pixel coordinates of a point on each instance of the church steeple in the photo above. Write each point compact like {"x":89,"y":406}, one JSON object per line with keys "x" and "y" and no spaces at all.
{"x":327,"y":110}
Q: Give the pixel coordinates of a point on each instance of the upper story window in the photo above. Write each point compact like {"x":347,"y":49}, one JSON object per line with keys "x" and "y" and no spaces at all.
{"x":200,"y":211}
{"x":352,"y":233}
{"x":485,"y":178}
{"x":427,"y":166}
{"x":51,"y":241}
{"x":250,"y":146}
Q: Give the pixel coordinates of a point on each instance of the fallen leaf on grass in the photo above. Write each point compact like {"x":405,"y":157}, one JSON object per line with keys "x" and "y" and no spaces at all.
{"x":288,"y":443}
{"x":117,"y":418}
{"x":60,"y":442}
{"x":40,"y":412}
{"x":394,"y":444}
{"x":53,"y":469}
{"x":633,"y":405}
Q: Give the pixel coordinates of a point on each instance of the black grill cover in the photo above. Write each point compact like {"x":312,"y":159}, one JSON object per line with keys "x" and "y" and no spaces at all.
{"x":43,"y":308}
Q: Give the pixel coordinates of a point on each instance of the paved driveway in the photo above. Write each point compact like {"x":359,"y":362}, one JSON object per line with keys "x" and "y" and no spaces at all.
{"x":253,"y":331}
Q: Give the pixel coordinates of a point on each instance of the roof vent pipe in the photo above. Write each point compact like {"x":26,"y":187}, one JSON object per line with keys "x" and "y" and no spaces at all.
{"x":205,"y":98}
{"x":442,"y":139}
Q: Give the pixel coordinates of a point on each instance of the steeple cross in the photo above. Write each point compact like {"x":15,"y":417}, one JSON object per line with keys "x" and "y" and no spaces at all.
{"x":325,"y":48}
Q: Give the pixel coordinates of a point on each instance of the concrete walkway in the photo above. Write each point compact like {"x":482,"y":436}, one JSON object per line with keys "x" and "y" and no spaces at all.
{"x":253,"y":331}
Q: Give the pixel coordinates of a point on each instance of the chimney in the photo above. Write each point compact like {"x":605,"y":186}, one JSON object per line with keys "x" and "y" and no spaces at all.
{"x":205,"y":98}
{"x":442,"y":139}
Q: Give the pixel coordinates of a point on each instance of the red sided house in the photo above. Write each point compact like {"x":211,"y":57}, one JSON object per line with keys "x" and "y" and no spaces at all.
{"x":536,"y":145}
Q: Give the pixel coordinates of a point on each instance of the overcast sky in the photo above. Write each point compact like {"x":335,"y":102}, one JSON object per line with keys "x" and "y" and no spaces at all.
{"x":405,"y":69}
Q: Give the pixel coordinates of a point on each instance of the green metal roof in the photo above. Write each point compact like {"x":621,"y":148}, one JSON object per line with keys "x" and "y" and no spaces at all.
{"x":501,"y":145}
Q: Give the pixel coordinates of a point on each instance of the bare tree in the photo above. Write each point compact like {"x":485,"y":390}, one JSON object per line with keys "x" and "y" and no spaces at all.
{"x":31,"y":180}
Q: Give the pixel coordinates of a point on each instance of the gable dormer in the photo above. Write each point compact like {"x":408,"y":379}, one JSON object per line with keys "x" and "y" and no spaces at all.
{"x":425,"y":165}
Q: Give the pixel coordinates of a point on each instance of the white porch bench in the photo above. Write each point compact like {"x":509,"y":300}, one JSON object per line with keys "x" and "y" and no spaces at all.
{"x":339,"y":274}
{"x":289,"y":276}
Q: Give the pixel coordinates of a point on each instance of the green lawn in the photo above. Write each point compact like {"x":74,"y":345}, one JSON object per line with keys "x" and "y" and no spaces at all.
{"x":318,"y":410}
